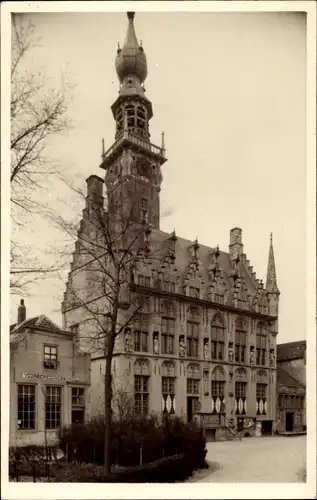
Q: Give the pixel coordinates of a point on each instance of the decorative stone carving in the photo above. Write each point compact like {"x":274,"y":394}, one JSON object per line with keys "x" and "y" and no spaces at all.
{"x":206,"y":349}
{"x":252,"y":355}
{"x":182,"y":346}
{"x":156,"y":345}
{"x":230,"y":352}
{"x":272,"y":357}
{"x":128,"y":340}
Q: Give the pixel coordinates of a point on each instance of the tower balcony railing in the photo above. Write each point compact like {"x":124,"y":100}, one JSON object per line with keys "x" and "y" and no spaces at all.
{"x":134,"y":139}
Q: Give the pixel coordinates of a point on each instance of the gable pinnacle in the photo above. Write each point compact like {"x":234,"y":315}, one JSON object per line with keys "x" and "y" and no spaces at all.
{"x":271,"y":284}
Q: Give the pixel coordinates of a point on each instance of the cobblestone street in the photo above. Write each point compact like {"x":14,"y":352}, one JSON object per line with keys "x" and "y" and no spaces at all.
{"x":257,"y":460}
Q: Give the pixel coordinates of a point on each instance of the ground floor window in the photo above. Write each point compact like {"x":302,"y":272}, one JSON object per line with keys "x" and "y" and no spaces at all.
{"x":241,"y":398}
{"x":53,"y":407}
{"x":26,"y":407}
{"x":261,"y":399}
{"x":168,"y":394}
{"x":78,"y":405}
{"x":141,"y":394}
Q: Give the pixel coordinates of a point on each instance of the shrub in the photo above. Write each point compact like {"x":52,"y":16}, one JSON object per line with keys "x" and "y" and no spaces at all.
{"x":135,"y":440}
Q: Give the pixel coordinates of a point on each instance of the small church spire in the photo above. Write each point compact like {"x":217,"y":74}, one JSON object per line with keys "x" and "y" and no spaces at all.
{"x":271,"y":284}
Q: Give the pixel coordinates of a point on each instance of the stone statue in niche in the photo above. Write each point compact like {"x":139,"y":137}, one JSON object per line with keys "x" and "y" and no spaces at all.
{"x":182,"y":347}
{"x":206,"y":350}
{"x":272,"y":357}
{"x":230,"y":352}
{"x":128,"y":340}
{"x":156,"y":346}
{"x":252,"y":355}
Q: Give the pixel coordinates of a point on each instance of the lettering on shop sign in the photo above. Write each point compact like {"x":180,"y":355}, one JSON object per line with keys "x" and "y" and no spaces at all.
{"x":50,"y":377}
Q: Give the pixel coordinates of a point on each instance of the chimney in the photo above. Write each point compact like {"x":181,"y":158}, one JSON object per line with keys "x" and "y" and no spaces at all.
{"x":21,"y":312}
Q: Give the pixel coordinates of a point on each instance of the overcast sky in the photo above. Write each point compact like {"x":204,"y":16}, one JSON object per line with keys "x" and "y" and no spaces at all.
{"x":228,"y":89}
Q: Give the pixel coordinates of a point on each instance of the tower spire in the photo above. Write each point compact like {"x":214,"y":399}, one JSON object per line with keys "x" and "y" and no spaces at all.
{"x":271,"y":284}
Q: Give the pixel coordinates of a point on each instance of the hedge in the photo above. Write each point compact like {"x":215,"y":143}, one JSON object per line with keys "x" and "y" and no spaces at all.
{"x":135,"y":441}
{"x":168,"y":469}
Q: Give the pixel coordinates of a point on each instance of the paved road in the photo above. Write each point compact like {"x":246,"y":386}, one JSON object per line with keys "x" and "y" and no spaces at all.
{"x":257,"y":460}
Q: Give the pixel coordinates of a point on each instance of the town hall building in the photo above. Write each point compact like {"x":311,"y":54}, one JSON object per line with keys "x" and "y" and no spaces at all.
{"x":203,"y":341}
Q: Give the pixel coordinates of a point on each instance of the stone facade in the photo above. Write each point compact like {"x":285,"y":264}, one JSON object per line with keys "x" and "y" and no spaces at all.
{"x":203,"y":345}
{"x":46,"y":369}
{"x":291,"y":387}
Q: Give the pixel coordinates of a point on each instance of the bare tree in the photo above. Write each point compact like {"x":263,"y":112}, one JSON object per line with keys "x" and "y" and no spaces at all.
{"x":111,"y":247}
{"x":38,"y":112}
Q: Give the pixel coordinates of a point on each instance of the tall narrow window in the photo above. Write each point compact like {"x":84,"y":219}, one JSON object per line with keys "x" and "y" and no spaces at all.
{"x":78,"y":405}
{"x":141,"y":394}
{"x":218,"y":390}
{"x":261,"y":345}
{"x":141,"y":334}
{"x":26,"y":406}
{"x":192,"y":339}
{"x":261,"y":399}
{"x":168,"y":394}
{"x":168,"y":331}
{"x":240,"y":396}
{"x":50,"y":357}
{"x":217,"y":338}
{"x":53,"y":407}
{"x":240,"y":341}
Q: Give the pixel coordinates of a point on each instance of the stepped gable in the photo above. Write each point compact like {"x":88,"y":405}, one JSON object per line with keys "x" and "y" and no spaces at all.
{"x":183,"y":259}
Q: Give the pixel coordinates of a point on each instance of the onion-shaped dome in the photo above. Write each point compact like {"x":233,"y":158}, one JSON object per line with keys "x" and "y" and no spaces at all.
{"x":131,"y":59}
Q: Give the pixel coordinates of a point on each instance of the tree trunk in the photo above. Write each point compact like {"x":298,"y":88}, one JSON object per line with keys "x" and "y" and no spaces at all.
{"x":108,"y":410}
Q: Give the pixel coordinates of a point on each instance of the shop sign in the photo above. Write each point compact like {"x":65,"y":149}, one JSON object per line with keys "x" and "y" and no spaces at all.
{"x":43,"y":376}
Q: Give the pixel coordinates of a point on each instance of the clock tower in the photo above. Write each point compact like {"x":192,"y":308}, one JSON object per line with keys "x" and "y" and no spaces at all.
{"x":133,"y":164}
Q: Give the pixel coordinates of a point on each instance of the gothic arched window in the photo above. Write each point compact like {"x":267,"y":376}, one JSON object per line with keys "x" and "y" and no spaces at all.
{"x":217,"y":337}
{"x":240,"y":340}
{"x":241,"y":392}
{"x":218,"y":390}
{"x":193,"y":379}
{"x":261,"y":344}
{"x":141,"y":386}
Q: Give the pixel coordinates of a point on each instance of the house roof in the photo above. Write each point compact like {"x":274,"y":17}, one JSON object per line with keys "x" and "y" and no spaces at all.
{"x":284,"y":378}
{"x":291,"y":350}
{"x":17,"y":331}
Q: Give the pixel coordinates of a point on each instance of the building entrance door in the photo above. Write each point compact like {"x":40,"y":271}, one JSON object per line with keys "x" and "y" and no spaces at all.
{"x":267,"y":427}
{"x":289,"y":421}
{"x":192,"y":407}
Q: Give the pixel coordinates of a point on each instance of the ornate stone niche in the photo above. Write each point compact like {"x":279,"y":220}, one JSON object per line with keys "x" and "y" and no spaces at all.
{"x":128,"y":340}
{"x":272,"y":357}
{"x":156,"y":343}
{"x":206,"y":349}
{"x":252,"y":355}
{"x":182,"y":346}
{"x":230,"y":352}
